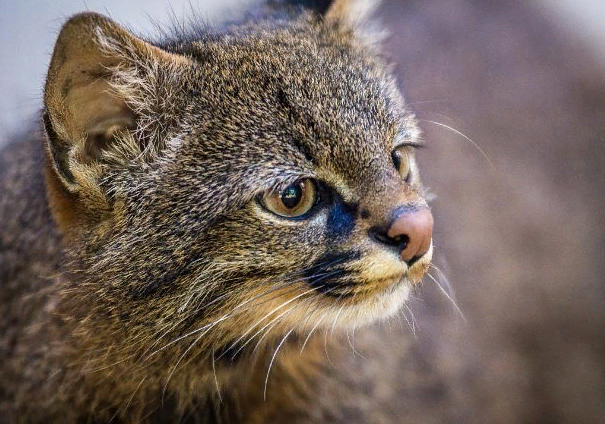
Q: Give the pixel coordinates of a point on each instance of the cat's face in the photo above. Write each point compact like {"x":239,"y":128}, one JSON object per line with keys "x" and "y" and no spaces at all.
{"x":326,"y":160}
{"x":264,"y":181}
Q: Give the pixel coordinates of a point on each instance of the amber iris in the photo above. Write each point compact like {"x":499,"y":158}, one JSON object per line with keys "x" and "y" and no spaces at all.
{"x":294,"y":201}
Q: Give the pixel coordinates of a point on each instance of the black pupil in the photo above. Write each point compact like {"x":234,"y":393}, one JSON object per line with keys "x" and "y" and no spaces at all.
{"x":396,"y":159}
{"x":291,"y":196}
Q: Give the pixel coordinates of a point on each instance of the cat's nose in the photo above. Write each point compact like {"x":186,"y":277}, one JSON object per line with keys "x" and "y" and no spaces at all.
{"x":411,"y":232}
{"x":416,"y":228}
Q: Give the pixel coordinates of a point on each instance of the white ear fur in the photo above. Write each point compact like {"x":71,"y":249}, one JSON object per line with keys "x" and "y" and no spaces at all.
{"x":352,"y":12}
{"x":357,"y":15}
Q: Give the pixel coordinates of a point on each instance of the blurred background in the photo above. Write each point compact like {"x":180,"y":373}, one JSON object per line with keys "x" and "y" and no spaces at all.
{"x":520,"y":236}
{"x":511,"y":98}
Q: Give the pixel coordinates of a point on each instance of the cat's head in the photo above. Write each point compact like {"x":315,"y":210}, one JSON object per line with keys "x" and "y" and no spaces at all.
{"x":258,"y":178}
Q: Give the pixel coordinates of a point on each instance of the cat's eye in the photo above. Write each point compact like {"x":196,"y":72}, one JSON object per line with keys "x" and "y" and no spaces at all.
{"x":401,"y":160}
{"x":294,"y":201}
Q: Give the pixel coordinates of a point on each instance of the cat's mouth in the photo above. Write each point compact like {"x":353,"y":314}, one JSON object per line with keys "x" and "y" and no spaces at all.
{"x":416,"y":272}
{"x":382,"y":296}
{"x":397,"y":274}
{"x":413,"y":276}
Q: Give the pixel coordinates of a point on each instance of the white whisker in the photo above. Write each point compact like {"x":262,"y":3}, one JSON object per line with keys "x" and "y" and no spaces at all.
{"x":399,"y":315}
{"x":191,"y":333}
{"x":183,"y":355}
{"x":218,"y":389}
{"x":265,"y":317}
{"x":336,"y":319}
{"x":353,"y":344}
{"x":489,"y":161}
{"x":414,"y":323}
{"x":258,"y":343}
{"x":272,"y":360}
{"x":446,"y":282}
{"x":448,"y":296}
{"x":134,"y":393}
{"x":261,"y":329}
{"x":311,"y":332}
{"x":326,"y":337}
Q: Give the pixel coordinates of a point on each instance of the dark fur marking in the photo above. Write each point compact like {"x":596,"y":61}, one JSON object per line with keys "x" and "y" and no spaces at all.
{"x":327,"y":273}
{"x":162,"y":285}
{"x":295,"y":116}
{"x":341,"y":220}
{"x":337,"y":289}
{"x":405,"y":209}
{"x":304,"y":149}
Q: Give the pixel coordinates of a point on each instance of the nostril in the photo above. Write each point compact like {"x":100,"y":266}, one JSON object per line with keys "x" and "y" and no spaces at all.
{"x":400,"y":241}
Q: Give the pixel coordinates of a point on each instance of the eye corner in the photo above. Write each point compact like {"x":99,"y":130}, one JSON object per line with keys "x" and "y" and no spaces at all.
{"x":401,"y":161}
{"x":396,"y":158}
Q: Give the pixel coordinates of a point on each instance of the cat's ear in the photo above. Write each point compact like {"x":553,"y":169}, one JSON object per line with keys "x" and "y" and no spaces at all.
{"x":351,"y":12}
{"x":348,"y":15}
{"x":95,"y":94}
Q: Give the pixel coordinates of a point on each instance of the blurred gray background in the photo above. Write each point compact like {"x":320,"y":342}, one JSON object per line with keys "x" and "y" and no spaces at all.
{"x":522,"y":241}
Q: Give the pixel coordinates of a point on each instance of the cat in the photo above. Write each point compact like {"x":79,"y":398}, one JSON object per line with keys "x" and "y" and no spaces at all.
{"x":197,"y":221}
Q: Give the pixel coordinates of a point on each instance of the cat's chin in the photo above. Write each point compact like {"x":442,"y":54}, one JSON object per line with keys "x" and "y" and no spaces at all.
{"x":367,"y":309}
{"x":379,"y":306}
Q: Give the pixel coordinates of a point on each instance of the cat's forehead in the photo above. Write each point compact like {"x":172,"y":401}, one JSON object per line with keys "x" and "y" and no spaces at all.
{"x":325,"y":95}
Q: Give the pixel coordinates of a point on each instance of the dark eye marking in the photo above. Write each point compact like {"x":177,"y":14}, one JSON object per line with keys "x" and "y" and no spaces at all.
{"x":304,"y":149}
{"x":341,"y":219}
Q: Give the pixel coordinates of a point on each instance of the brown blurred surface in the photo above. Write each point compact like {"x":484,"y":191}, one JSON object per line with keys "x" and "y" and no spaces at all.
{"x":522,"y":242}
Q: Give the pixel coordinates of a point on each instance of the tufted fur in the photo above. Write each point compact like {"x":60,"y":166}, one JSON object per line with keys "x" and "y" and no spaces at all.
{"x":161,"y":288}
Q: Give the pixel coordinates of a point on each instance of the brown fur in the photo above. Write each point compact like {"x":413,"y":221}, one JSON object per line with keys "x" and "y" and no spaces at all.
{"x":160,"y":263}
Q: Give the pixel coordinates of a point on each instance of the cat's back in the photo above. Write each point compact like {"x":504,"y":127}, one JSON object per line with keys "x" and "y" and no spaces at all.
{"x":27,"y":227}
{"x":29,"y":246}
